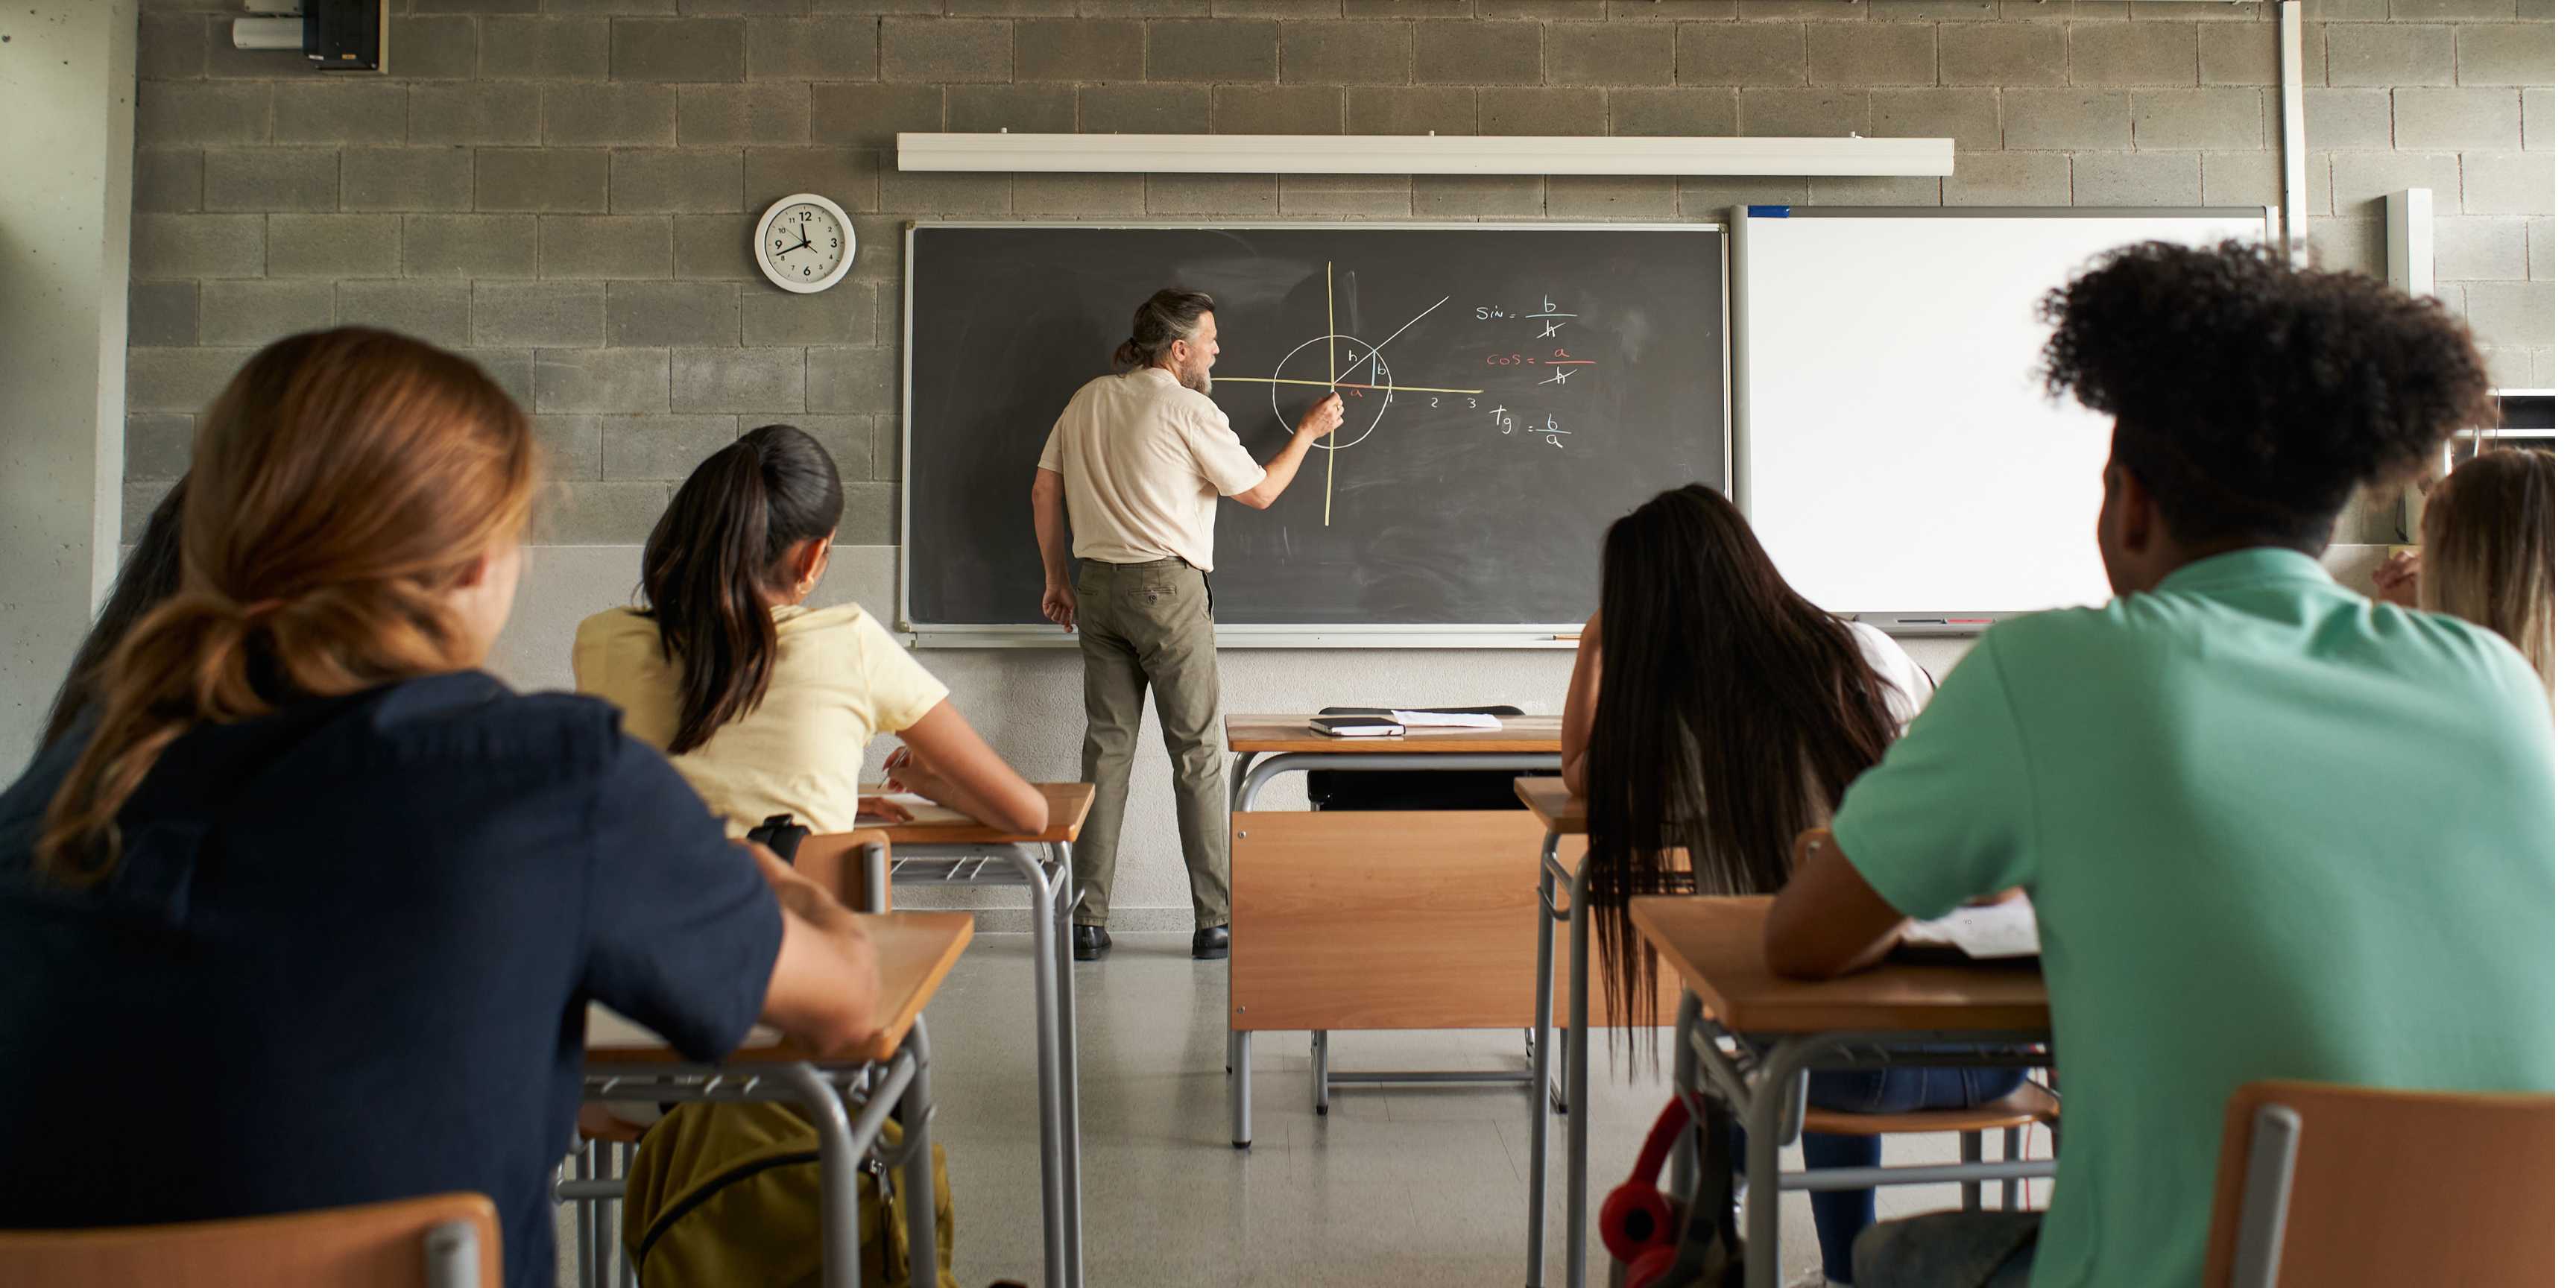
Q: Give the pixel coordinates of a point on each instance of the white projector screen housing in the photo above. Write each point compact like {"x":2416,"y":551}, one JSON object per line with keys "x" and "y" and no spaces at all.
{"x":1893,"y":445}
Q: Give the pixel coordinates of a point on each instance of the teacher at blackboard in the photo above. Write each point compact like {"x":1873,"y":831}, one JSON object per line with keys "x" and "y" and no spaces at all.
{"x":1137,"y":461}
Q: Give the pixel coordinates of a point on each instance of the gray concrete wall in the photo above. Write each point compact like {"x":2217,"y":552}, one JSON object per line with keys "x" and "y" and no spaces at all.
{"x":565,"y":190}
{"x":67,"y":94}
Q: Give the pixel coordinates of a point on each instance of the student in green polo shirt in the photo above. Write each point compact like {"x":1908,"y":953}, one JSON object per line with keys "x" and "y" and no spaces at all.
{"x":2271,"y":829}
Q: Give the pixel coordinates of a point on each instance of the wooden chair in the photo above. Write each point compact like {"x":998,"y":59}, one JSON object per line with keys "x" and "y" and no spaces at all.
{"x":437,"y":1241}
{"x":2358,"y":1187}
{"x":2029,"y":1105}
{"x":854,"y":866}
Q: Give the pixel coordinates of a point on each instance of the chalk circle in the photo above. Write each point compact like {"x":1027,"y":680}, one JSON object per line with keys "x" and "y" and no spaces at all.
{"x":1378,"y":375}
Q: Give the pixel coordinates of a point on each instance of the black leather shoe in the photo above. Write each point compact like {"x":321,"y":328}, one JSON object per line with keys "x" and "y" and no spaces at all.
{"x":1209,"y":945}
{"x":1090,"y":943}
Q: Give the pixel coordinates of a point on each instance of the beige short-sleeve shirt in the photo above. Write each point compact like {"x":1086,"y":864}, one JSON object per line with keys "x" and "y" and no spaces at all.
{"x":841,"y":680}
{"x":1144,"y":460}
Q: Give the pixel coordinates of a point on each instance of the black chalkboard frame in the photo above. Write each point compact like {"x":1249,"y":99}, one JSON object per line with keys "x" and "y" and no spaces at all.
{"x":1391,"y":634}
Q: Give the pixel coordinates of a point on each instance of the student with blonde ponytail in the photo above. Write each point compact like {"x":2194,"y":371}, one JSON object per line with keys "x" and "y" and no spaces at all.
{"x":300,"y":863}
{"x":767,"y":706}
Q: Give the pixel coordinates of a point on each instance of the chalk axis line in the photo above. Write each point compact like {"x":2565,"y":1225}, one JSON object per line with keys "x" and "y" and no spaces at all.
{"x":1331,"y":338}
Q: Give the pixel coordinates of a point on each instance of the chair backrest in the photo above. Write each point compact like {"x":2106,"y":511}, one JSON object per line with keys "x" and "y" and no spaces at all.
{"x":2326,"y":1186}
{"x":854,"y":866}
{"x":436,"y":1241}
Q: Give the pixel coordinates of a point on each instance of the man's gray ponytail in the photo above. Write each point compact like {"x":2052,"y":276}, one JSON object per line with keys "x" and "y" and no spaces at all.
{"x":1172,"y":315}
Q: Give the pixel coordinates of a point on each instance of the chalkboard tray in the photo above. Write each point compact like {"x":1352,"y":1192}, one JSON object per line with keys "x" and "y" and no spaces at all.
{"x":1510,"y":390}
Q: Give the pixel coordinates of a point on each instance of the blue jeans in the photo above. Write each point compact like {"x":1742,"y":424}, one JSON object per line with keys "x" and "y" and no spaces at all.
{"x":1841,"y":1215}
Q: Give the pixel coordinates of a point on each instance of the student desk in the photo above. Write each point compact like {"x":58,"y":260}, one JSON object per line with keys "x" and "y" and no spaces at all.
{"x":1374,"y":919}
{"x":867,"y":863}
{"x":1774,"y":1030}
{"x":914,"y":952}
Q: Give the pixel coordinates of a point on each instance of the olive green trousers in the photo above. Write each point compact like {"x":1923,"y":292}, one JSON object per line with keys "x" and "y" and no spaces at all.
{"x":1147,"y":626}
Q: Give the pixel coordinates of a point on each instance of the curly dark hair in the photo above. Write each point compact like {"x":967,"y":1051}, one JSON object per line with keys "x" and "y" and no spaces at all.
{"x":2253,"y":397}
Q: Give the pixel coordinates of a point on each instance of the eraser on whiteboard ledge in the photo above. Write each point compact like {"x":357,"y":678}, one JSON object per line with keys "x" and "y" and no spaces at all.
{"x":1767,"y":212}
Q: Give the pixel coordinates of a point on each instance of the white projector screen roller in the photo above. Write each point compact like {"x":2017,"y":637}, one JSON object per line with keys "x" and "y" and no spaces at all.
{"x":1894,"y":446}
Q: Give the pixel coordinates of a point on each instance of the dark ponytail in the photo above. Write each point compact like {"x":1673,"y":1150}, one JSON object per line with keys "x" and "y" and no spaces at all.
{"x":1172,"y":315}
{"x":716,"y":557}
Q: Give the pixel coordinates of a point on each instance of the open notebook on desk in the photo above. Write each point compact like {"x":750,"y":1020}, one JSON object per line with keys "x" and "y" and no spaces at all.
{"x":1994,"y":931}
{"x":922,"y":808}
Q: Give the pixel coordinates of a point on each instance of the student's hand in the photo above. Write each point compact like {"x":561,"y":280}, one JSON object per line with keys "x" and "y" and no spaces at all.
{"x":883,"y":808}
{"x":2397,"y":578}
{"x":1322,"y":418}
{"x":1057,"y":604}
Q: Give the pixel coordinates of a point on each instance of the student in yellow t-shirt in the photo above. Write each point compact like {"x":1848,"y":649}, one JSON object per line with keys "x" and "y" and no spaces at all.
{"x":766,"y":706}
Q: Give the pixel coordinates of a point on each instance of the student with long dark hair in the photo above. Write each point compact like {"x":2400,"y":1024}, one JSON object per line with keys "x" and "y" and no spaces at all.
{"x":1716,"y":712}
{"x":766,"y":706}
{"x":2490,"y":553}
{"x":150,"y":575}
{"x":2270,"y":828}
{"x":308,"y":858}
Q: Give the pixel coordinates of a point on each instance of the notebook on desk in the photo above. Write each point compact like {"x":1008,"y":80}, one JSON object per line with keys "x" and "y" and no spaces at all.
{"x":1374,"y":726}
{"x":1994,"y":932}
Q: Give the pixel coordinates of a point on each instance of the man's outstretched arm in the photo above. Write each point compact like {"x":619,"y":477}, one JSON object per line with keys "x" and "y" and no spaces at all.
{"x":1321,"y":419}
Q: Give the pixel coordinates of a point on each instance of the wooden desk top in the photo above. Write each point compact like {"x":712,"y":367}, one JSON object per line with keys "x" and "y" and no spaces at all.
{"x":1559,"y":809}
{"x":1715,"y":942}
{"x":1535,"y":734}
{"x":914,"y":952}
{"x":1067,"y":805}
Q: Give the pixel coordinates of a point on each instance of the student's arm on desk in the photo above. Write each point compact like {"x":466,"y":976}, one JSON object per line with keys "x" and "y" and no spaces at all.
{"x":943,"y":758}
{"x":823,"y":991}
{"x":1582,"y":702}
{"x":1828,"y":921}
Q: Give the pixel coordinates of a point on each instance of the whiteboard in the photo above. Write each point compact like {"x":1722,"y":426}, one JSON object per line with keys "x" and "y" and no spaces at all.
{"x":1894,"y":448}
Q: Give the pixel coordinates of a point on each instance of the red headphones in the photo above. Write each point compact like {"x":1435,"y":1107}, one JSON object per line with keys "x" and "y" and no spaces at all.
{"x":1638,"y":1223}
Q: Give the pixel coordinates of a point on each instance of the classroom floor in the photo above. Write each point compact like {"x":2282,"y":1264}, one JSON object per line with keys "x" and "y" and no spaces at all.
{"x":1424,"y":1186}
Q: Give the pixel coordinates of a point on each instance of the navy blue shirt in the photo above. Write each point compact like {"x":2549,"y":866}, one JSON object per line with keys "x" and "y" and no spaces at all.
{"x":345,"y":957}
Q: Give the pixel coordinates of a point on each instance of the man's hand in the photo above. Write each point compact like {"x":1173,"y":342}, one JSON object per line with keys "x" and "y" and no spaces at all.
{"x":1322,"y":418}
{"x":2398,"y":577}
{"x":1046,"y":505}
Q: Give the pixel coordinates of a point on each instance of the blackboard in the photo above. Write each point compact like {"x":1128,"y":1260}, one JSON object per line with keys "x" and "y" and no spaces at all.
{"x":1510,"y":390}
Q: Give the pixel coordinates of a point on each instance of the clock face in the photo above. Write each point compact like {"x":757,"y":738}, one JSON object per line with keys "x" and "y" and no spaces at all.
{"x":804,"y":243}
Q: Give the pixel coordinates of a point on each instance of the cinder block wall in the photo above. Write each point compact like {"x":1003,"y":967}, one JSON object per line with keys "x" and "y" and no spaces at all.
{"x":564,"y":188}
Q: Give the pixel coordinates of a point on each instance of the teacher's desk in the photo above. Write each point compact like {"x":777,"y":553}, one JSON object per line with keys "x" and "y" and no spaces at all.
{"x":1379,"y":919}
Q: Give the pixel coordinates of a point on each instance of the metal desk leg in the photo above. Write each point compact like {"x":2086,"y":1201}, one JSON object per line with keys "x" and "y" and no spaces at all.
{"x":839,"y":1157}
{"x":1578,"y":1068}
{"x":1763,"y":1128}
{"x":1049,"y":959}
{"x":1545,"y":1011}
{"x":1238,"y":1084}
{"x":1071,"y":1064}
{"x":1320,"y":1056}
{"x":1238,"y":1045}
{"x":920,"y":1167}
{"x":585,"y":1219}
{"x":1685,"y":1169}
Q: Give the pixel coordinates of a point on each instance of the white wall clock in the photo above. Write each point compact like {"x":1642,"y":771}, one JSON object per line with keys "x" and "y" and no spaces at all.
{"x":804,"y":243}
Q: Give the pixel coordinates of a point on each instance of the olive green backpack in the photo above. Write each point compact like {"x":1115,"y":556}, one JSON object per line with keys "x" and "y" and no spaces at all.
{"x":727,"y":1195}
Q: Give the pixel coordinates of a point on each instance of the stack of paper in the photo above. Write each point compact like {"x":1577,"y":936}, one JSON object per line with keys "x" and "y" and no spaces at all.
{"x":2007,"y":929}
{"x":1444,"y":720}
